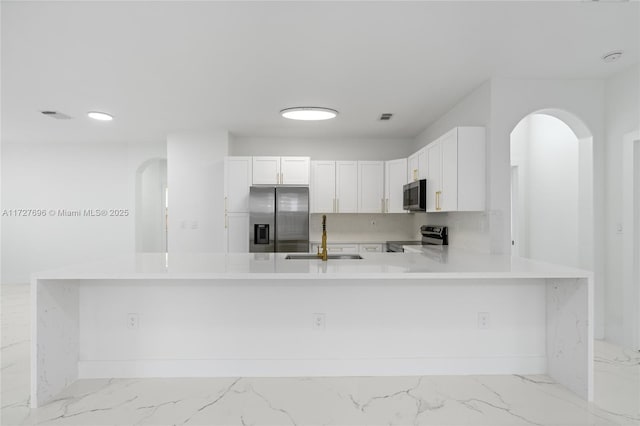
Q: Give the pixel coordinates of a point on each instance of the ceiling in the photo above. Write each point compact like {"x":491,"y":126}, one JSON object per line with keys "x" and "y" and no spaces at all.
{"x":162,"y":67}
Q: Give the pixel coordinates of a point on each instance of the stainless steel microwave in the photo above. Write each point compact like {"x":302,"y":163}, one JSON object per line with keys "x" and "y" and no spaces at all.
{"x":414,"y":196}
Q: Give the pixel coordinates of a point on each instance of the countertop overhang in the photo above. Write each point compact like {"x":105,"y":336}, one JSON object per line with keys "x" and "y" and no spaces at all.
{"x":441,"y":263}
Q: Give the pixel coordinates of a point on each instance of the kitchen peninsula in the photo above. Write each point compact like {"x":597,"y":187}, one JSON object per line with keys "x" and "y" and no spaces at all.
{"x":441,"y":311}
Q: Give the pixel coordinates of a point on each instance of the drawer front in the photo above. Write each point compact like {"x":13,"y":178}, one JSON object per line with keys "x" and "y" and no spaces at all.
{"x":370,"y":248}
{"x":336,"y":248}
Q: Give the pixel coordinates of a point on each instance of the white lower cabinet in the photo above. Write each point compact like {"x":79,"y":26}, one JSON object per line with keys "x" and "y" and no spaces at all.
{"x":336,"y":248}
{"x":349,"y":248}
{"x":370,"y":248}
{"x":237,"y":232}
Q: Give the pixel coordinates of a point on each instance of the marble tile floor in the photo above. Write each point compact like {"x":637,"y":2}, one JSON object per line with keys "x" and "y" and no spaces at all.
{"x":429,"y":400}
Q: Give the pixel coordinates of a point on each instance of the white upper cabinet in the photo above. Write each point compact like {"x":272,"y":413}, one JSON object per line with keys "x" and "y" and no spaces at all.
{"x":448,"y":199}
{"x":417,"y":166}
{"x":434,"y":176}
{"x":266,"y":170}
{"x":323,"y":187}
{"x":456,"y":171}
{"x":370,"y":186}
{"x":395,"y":177}
{"x":281,"y":170}
{"x":346,"y":187}
{"x":334,"y":186}
{"x":294,"y":170}
{"x":237,"y":180}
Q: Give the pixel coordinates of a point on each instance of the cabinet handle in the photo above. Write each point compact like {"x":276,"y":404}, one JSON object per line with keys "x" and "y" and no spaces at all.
{"x":438,"y":200}
{"x":334,"y":206}
{"x":226,"y":221}
{"x":382,"y":202}
{"x":370,"y":248}
{"x":277,"y":177}
{"x":338,"y":205}
{"x":225,"y":205}
{"x":415,"y":174}
{"x":387,"y":208}
{"x":281,"y":177}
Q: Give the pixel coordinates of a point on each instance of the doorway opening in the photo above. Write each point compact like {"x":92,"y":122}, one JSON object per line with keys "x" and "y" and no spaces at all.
{"x":151,"y":206}
{"x":552,"y":189}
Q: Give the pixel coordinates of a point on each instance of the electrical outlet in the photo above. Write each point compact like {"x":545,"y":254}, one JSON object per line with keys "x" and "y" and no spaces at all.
{"x":483,"y":320}
{"x":618,"y":228}
{"x":318,"y":322}
{"x":133,"y":321}
{"x":373,"y":223}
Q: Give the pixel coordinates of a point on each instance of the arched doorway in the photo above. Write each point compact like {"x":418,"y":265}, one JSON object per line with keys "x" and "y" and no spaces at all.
{"x":151,"y":206}
{"x":552,"y":189}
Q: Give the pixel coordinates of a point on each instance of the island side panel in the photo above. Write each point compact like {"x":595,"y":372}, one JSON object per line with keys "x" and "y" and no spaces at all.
{"x":54,"y":338}
{"x":228,"y":327}
{"x":570,"y":334}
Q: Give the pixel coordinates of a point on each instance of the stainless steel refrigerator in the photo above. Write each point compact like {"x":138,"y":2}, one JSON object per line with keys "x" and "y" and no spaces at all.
{"x":279,"y":220}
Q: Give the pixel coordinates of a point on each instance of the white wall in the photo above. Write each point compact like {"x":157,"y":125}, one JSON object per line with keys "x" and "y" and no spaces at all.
{"x":68,"y":176}
{"x":545,"y":150}
{"x":195,"y":172}
{"x":467,"y":230}
{"x":511,"y":101}
{"x":323,"y":149}
{"x":622,"y":115}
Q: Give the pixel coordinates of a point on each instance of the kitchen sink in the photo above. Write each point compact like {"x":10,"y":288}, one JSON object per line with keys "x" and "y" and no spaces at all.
{"x":329,"y":257}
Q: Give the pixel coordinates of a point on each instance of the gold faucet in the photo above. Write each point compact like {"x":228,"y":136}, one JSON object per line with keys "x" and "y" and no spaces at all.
{"x":323,"y":255}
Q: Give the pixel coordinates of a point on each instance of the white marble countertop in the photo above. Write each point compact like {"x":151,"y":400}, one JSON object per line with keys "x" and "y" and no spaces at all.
{"x":446,"y":263}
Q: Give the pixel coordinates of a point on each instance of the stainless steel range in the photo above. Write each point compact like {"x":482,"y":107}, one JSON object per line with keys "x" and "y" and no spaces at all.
{"x":431,"y":235}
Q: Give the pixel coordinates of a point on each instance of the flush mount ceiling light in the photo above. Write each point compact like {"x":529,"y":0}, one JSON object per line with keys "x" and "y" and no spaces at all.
{"x":612,"y":56}
{"x":102,"y":116}
{"x":309,"y":113}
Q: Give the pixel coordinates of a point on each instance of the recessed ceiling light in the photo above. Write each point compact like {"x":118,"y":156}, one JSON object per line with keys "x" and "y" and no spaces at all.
{"x":309,"y":113}
{"x":102,"y":116}
{"x":612,"y":56}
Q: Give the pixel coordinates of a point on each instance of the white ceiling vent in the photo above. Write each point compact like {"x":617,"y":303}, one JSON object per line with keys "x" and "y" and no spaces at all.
{"x":386,"y":116}
{"x":55,"y":114}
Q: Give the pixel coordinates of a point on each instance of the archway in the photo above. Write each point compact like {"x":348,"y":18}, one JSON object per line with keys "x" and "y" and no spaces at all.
{"x":151,"y":206}
{"x":552,"y":189}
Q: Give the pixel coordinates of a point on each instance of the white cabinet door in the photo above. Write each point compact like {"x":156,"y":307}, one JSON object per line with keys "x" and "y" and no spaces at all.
{"x":448,"y":199}
{"x":323,"y":187}
{"x":394,"y":177}
{"x":412,"y":168}
{"x":342,"y":248}
{"x":346,"y":186}
{"x":294,"y":170}
{"x":237,"y":181}
{"x":237,"y":232}
{"x":266,"y":170}
{"x":417,"y":166}
{"x":434,"y":177}
{"x":370,"y":186}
